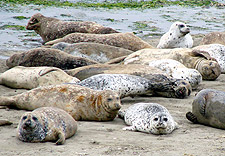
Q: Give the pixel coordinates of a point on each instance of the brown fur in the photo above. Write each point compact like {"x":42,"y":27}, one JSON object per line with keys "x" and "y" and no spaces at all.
{"x":214,"y":38}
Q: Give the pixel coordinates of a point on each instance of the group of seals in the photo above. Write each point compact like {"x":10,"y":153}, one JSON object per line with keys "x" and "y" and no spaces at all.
{"x":177,"y":37}
{"x":51,"y":28}
{"x":46,"y":124}
{"x":148,"y":117}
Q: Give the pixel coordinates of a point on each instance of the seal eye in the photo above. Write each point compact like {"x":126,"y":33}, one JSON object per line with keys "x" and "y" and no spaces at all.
{"x":183,"y":83}
{"x":25,"y":117}
{"x":155,"y":119}
{"x":181,"y":26}
{"x":34,"y":118}
{"x":165,"y":119}
{"x":109,"y":99}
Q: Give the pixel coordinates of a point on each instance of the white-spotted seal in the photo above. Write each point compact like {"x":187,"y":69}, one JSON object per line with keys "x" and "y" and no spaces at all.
{"x":213,"y":38}
{"x":51,"y":28}
{"x":216,"y":51}
{"x":177,"y":70}
{"x":80,"y":102}
{"x":101,"y":53}
{"x":123,"y":40}
{"x":33,"y":77}
{"x":208,"y":108}
{"x":46,"y":124}
{"x":47,"y":57}
{"x":148,"y":117}
{"x":191,"y":58}
{"x":177,"y":37}
{"x":131,"y":85}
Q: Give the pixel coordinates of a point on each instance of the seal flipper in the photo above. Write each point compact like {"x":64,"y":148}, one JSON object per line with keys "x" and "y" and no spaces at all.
{"x":130,"y":128}
{"x":7,"y":101}
{"x":191,"y":117}
{"x":60,"y":136}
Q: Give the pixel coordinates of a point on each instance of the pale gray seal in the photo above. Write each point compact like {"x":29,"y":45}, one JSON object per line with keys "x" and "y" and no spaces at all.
{"x":46,"y":124}
{"x":148,"y":117}
{"x":208,"y":108}
{"x":177,"y":37}
{"x":80,"y":102}
{"x":51,"y":28}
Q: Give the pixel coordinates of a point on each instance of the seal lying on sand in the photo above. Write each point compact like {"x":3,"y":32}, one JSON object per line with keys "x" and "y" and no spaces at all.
{"x":214,"y":38}
{"x":122,"y":40}
{"x":94,"y":51}
{"x":131,"y":85}
{"x":216,"y":51}
{"x":33,"y":77}
{"x":51,"y":28}
{"x":177,"y":70}
{"x":47,"y":57}
{"x":208,"y":108}
{"x":177,"y":37}
{"x":80,"y":102}
{"x":148,"y":117}
{"x":196,"y":59}
{"x":46,"y":124}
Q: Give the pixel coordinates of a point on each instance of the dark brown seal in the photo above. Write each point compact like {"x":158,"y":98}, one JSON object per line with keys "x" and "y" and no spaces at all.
{"x":47,"y":57}
{"x":51,"y":28}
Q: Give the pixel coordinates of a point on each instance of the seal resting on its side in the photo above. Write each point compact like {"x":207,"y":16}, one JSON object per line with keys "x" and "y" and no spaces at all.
{"x":123,"y":40}
{"x":214,"y":38}
{"x":33,"y":77}
{"x":208,"y":108}
{"x":47,"y":57}
{"x":80,"y":102}
{"x":148,"y":117}
{"x":46,"y":124}
{"x":51,"y":28}
{"x":177,"y":37}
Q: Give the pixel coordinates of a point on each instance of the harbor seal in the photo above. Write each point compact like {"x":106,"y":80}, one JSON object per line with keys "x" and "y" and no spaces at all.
{"x":177,"y":37}
{"x":51,"y":28}
{"x":46,"y":124}
{"x":191,"y":58}
{"x":123,"y":40}
{"x":177,"y":70}
{"x":131,"y":85}
{"x":94,"y":51}
{"x":80,"y":102}
{"x":216,"y":51}
{"x":47,"y":57}
{"x":148,"y":117}
{"x":214,"y":38}
{"x":208,"y":108}
{"x":33,"y":77}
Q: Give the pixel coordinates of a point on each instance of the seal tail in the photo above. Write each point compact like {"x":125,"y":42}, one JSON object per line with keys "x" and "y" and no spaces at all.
{"x":191,"y":117}
{"x":6,"y":101}
{"x":121,"y":114}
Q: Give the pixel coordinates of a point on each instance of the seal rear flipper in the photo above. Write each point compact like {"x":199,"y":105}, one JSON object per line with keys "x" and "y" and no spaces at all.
{"x":191,"y":117}
{"x":7,"y":101}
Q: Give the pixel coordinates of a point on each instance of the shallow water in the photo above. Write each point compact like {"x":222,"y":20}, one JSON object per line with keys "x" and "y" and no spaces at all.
{"x":145,"y":23}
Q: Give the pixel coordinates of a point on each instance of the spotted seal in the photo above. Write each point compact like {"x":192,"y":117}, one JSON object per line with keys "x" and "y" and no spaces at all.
{"x":177,"y":70}
{"x":177,"y":37}
{"x":213,"y":38}
{"x":191,"y":58}
{"x":208,"y":108}
{"x":46,"y":124}
{"x":94,"y":51}
{"x":216,"y":51}
{"x":33,"y":77}
{"x":148,"y":117}
{"x":47,"y":57}
{"x":123,"y":40}
{"x":51,"y":28}
{"x":80,"y":102}
{"x":131,"y":85}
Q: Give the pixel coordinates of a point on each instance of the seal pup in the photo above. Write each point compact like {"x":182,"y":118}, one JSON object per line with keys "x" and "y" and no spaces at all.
{"x":190,"y":58}
{"x":177,"y":37}
{"x":131,"y":85}
{"x":51,"y":28}
{"x":177,"y":70}
{"x":216,"y":51}
{"x":80,"y":102}
{"x":47,"y":57}
{"x":94,"y":51}
{"x":208,"y":108}
{"x":46,"y":124}
{"x":148,"y":117}
{"x":33,"y":77}
{"x":213,"y":38}
{"x":123,"y":40}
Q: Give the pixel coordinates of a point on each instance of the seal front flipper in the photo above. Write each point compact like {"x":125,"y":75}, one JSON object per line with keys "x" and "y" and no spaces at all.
{"x":191,"y":117}
{"x":130,"y":128}
{"x":59,"y":136}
